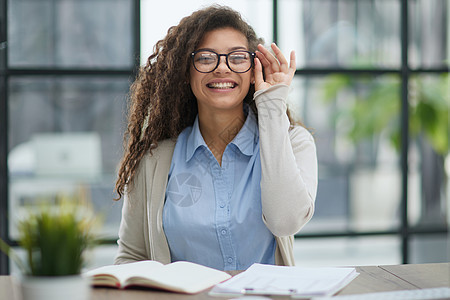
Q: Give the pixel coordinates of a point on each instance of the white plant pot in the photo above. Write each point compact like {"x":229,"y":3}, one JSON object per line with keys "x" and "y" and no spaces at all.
{"x":72,"y":287}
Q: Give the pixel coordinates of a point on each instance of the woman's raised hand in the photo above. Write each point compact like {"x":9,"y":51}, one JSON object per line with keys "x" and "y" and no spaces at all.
{"x":276,"y":68}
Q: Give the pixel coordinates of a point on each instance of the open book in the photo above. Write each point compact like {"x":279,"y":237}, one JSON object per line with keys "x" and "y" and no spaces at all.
{"x":181,"y":276}
{"x":296,"y":282}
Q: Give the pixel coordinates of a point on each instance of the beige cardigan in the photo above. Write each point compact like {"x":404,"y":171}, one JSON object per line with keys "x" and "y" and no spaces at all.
{"x":288,"y":186}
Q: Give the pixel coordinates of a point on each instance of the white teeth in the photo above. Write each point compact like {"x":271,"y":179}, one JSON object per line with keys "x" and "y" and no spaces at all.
{"x":221,"y":85}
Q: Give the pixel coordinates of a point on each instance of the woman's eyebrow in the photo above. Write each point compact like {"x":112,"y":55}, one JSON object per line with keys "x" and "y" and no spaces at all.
{"x":229,"y":49}
{"x":238,"y":48}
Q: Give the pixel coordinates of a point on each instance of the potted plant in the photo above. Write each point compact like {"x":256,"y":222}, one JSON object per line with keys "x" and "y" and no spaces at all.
{"x":54,"y":237}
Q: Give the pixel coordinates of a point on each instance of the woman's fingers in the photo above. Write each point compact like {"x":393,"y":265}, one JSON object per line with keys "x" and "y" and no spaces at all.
{"x":270,"y":59}
{"x":277,"y":69}
{"x":264,"y":61}
{"x":276,"y":62}
{"x":266,"y":64}
{"x":281,"y":59}
{"x":292,"y":63}
{"x":259,"y":78}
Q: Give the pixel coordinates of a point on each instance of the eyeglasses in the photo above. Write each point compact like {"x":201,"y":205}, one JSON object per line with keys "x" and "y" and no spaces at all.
{"x":239,"y":61}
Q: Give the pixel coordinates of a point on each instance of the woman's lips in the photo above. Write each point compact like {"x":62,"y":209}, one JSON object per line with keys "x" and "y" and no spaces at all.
{"x":222,"y":85}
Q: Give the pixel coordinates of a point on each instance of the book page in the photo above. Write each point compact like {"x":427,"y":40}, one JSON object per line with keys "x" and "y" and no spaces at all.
{"x":147,"y":268}
{"x":185,"y":277}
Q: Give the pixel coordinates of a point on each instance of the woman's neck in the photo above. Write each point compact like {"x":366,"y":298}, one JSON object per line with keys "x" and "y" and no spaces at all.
{"x":219,"y":129}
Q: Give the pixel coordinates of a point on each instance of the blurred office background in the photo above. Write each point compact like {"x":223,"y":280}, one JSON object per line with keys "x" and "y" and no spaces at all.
{"x":372,"y":84}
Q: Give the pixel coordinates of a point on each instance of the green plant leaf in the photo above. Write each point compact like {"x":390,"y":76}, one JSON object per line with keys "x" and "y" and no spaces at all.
{"x":55,"y":238}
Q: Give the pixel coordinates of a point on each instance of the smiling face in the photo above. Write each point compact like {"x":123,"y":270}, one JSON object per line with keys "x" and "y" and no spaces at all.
{"x":222,"y":89}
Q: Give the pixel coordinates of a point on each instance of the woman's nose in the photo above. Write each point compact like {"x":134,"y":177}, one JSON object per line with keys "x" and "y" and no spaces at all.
{"x":222,"y":67}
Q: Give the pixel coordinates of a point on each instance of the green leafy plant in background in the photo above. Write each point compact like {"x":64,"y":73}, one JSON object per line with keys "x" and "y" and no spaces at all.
{"x":430,"y":111}
{"x":376,"y":111}
{"x":376,"y":108}
{"x":54,"y":237}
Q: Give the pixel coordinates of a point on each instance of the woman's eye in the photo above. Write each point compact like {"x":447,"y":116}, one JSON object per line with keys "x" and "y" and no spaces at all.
{"x":238,"y":58}
{"x":205,"y":59}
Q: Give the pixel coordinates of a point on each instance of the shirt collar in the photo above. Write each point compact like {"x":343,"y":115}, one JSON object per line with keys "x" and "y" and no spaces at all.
{"x":246,"y":140}
{"x":194,"y":140}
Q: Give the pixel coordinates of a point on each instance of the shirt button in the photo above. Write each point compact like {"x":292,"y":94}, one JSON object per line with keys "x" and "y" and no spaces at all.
{"x":222,"y":205}
{"x":230,"y":260}
{"x":224,"y":231}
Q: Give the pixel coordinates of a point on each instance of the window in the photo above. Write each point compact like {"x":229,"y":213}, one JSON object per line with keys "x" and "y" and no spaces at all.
{"x":371,"y":83}
{"x":66,"y":70}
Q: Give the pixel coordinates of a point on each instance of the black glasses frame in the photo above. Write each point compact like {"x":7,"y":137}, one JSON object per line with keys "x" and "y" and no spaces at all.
{"x":252,"y":60}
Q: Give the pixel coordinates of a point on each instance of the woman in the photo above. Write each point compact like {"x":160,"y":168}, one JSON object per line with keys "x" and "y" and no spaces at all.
{"x":214,"y":171}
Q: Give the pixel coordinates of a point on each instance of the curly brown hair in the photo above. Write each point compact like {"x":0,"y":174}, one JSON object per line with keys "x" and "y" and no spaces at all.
{"x":161,"y":102}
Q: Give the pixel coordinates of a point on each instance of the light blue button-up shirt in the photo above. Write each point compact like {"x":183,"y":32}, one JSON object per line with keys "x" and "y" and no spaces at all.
{"x":212,"y":214}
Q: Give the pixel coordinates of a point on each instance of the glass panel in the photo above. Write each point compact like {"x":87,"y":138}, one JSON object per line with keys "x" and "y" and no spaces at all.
{"x":2,"y":37}
{"x":429,"y":33}
{"x":65,"y":137}
{"x":355,"y":251}
{"x":429,"y":157}
{"x":431,"y":248}
{"x":101,"y":256}
{"x":341,"y":33}
{"x":257,"y":12}
{"x":67,"y":33}
{"x":355,"y":122}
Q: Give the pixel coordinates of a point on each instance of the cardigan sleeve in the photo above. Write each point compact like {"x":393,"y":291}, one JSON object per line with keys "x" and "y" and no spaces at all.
{"x":141,"y":233}
{"x":288,"y":165}
{"x":133,"y":229}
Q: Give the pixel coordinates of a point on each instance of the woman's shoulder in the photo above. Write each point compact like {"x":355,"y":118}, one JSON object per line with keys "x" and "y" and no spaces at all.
{"x":164,"y":147}
{"x":158,"y":158}
{"x":299,"y":132}
{"x":162,"y":155}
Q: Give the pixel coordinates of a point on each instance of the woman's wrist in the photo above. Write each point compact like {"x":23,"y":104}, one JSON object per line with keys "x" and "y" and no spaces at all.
{"x":276,"y":92}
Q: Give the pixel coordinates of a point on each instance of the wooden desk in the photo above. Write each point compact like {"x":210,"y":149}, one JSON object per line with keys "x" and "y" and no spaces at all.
{"x":398,"y":277}
{"x":371,"y":279}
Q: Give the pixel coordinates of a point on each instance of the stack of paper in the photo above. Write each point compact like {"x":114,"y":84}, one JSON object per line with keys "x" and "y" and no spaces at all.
{"x":281,"y":280}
